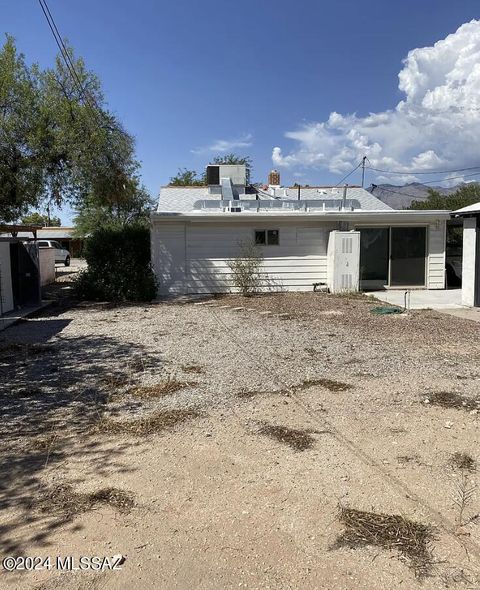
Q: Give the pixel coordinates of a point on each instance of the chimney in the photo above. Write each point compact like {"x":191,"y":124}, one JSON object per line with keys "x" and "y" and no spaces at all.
{"x":274,"y":178}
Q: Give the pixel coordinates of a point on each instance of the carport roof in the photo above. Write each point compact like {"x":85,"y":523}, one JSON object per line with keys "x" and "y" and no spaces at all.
{"x":475,"y":208}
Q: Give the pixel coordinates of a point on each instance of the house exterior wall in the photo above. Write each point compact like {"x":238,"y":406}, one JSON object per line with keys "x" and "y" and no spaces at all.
{"x":6,"y":292}
{"x":436,"y":239}
{"x":469,"y":262}
{"x":191,"y":256}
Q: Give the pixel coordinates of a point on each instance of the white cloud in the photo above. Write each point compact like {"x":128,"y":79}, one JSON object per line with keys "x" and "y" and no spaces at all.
{"x":226,"y":145}
{"x":436,"y":125}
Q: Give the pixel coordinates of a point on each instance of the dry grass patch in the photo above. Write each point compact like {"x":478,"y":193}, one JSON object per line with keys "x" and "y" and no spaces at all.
{"x":151,"y":424}
{"x":451,"y":399}
{"x":197,"y":369}
{"x":329,"y":384}
{"x":391,"y":532}
{"x":166,"y":387}
{"x":299,"y":440}
{"x":65,"y":500}
{"x":463,"y":462}
{"x":116,"y":381}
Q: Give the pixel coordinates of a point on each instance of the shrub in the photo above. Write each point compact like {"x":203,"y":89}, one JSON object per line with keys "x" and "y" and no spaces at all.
{"x":245,"y":269}
{"x":118,"y":266}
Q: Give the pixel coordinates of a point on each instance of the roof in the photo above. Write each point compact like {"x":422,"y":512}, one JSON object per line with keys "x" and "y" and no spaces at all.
{"x":475,"y":208}
{"x":186,"y":200}
{"x":50,"y":233}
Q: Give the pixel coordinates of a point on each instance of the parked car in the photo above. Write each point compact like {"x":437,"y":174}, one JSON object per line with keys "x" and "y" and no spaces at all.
{"x":61,"y":255}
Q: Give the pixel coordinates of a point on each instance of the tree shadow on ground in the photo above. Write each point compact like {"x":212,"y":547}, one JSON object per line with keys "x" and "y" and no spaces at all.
{"x":52,"y":393}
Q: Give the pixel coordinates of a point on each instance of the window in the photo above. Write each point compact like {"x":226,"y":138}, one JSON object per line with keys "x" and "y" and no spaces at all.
{"x":43,"y":244}
{"x":267,"y":237}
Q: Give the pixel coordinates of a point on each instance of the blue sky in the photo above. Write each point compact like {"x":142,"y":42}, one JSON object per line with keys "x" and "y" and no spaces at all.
{"x":189,"y":77}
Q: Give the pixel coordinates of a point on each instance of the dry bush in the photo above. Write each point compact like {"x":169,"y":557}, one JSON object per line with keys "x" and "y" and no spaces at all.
{"x":245,"y":269}
{"x":392,"y":532}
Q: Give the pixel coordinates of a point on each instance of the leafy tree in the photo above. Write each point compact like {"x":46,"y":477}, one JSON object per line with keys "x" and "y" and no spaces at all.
{"x":58,"y":140}
{"x":21,"y":174}
{"x":186,"y":177}
{"x":36,"y":218}
{"x":134,"y":210}
{"x":467,"y":194}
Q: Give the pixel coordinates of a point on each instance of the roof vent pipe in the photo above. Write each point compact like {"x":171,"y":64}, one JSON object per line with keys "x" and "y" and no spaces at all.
{"x":344,"y":202}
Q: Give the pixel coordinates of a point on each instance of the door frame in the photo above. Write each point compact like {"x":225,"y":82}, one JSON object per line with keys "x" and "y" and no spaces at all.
{"x":359,"y":227}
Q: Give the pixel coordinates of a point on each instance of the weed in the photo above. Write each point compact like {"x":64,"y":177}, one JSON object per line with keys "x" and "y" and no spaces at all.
{"x":463,"y":461}
{"x":197,"y":369}
{"x":451,"y":399}
{"x":151,"y":424}
{"x":299,"y":440}
{"x":462,"y":498}
{"x":392,"y":532}
{"x":329,"y":384}
{"x":63,"y":498}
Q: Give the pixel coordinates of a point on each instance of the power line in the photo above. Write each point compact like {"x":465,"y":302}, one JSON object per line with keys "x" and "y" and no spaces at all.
{"x":415,"y":173}
{"x":349,"y":174}
{"x":87,"y":98}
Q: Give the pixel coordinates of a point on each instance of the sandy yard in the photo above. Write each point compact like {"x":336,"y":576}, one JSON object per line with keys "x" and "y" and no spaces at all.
{"x":231,"y":444}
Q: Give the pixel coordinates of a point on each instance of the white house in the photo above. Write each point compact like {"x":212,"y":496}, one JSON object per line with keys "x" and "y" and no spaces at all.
{"x":471,"y":254}
{"x":343,"y":237}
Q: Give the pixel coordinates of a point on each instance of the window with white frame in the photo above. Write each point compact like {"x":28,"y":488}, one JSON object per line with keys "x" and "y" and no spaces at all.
{"x":267,"y":237}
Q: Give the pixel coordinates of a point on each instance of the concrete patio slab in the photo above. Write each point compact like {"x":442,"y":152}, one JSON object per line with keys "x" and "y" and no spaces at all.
{"x":15,"y":316}
{"x":422,"y":298}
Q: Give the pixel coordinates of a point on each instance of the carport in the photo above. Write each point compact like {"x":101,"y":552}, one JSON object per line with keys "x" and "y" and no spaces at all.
{"x":471,"y":254}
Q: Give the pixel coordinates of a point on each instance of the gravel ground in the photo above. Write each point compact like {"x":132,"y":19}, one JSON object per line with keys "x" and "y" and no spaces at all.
{"x":241,"y":363}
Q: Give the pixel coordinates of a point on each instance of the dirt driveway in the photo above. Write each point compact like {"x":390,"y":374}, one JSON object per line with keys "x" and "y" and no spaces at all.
{"x":289,"y":441}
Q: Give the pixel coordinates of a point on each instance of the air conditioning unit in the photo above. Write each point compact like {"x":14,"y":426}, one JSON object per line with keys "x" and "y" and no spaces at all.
{"x":343,"y":261}
{"x":237,"y":173}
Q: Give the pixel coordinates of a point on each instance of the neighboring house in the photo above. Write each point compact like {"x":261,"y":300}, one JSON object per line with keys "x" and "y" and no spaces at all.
{"x":196,"y":230}
{"x":65,"y":236}
{"x":471,"y":254}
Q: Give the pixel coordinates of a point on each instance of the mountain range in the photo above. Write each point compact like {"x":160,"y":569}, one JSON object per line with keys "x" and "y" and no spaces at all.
{"x":400,"y":197}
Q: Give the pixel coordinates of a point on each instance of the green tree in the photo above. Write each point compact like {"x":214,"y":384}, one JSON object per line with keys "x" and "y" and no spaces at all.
{"x":58,"y":140}
{"x":36,"y":218}
{"x":186,"y":177}
{"x":92,"y":216}
{"x":467,"y":194}
{"x":21,"y":174}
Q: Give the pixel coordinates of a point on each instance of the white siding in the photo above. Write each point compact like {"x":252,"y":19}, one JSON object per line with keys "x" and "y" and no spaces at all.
{"x":436,"y":255}
{"x":295,"y":264}
{"x":192,"y":256}
{"x":168,"y":257}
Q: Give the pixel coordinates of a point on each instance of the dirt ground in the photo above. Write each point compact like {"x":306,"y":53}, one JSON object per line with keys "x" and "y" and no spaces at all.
{"x":217,"y":444}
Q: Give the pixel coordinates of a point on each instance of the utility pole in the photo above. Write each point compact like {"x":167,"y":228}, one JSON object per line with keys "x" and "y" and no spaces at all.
{"x":363,"y":169}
